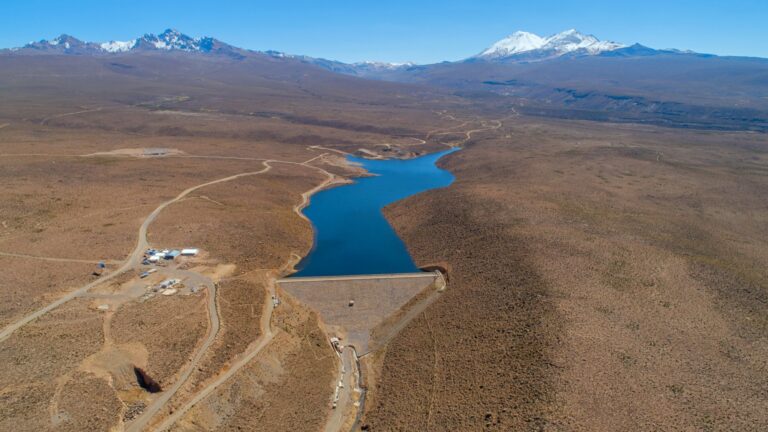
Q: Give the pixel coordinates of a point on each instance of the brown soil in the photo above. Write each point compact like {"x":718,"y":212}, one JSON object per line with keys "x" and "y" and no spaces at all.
{"x":28,"y":284}
{"x":74,"y":415}
{"x":476,"y":357}
{"x":59,"y":341}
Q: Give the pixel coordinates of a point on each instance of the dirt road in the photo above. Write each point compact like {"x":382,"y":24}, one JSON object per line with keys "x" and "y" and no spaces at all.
{"x":45,"y":120}
{"x":318,"y":147}
{"x":346,"y":411}
{"x":266,"y":337}
{"x":141,"y":421}
{"x":350,"y":406}
{"x":131,"y":262}
{"x":357,"y":277}
{"x":468,"y":134}
{"x":54,"y":259}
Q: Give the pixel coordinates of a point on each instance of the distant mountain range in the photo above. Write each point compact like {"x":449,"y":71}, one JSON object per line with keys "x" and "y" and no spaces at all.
{"x":169,"y":40}
{"x":172,"y":40}
{"x":520,"y":46}
{"x":569,"y":74}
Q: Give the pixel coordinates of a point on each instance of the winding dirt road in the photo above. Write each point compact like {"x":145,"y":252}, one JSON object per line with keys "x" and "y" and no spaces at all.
{"x":214,"y":324}
{"x":131,"y":262}
{"x":468,"y":134}
{"x":265,"y":325}
{"x":45,"y":120}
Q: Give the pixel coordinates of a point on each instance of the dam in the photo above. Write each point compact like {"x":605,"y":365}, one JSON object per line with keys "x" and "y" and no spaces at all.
{"x":365,"y":311}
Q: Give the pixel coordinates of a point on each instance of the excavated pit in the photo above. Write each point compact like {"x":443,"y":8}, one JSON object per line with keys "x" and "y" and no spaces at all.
{"x":145,"y":381}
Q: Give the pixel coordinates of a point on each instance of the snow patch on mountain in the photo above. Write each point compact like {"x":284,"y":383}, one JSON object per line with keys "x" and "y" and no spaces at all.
{"x":357,"y":68}
{"x":572,"y":40}
{"x":118,"y":46}
{"x":530,"y":45}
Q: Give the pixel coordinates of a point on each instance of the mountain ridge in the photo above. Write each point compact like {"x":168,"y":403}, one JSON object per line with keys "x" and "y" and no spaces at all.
{"x":168,"y":40}
{"x":520,"y":46}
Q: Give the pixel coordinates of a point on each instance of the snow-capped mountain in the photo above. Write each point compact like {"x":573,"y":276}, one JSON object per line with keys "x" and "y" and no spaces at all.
{"x":64,"y":43}
{"x":376,"y":69}
{"x":383,"y":65}
{"x":169,"y":40}
{"x":515,"y":43}
{"x":528,"y":46}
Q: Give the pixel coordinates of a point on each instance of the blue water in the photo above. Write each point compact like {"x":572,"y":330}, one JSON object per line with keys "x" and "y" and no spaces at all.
{"x":351,"y":234}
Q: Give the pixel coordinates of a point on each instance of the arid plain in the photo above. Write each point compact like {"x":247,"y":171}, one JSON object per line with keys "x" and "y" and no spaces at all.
{"x":601,"y":276}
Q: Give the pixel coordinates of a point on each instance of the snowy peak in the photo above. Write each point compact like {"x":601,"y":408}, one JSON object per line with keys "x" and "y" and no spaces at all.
{"x":174,"y":40}
{"x":64,"y":40}
{"x":571,"y":40}
{"x":63,"y":43}
{"x":517,"y":42}
{"x":528,"y":46}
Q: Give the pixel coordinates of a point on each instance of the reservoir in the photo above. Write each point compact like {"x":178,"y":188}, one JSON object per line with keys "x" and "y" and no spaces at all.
{"x":351,"y":234}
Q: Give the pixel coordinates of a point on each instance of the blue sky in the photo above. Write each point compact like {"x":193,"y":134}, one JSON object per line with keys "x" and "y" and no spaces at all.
{"x":398,"y":31}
